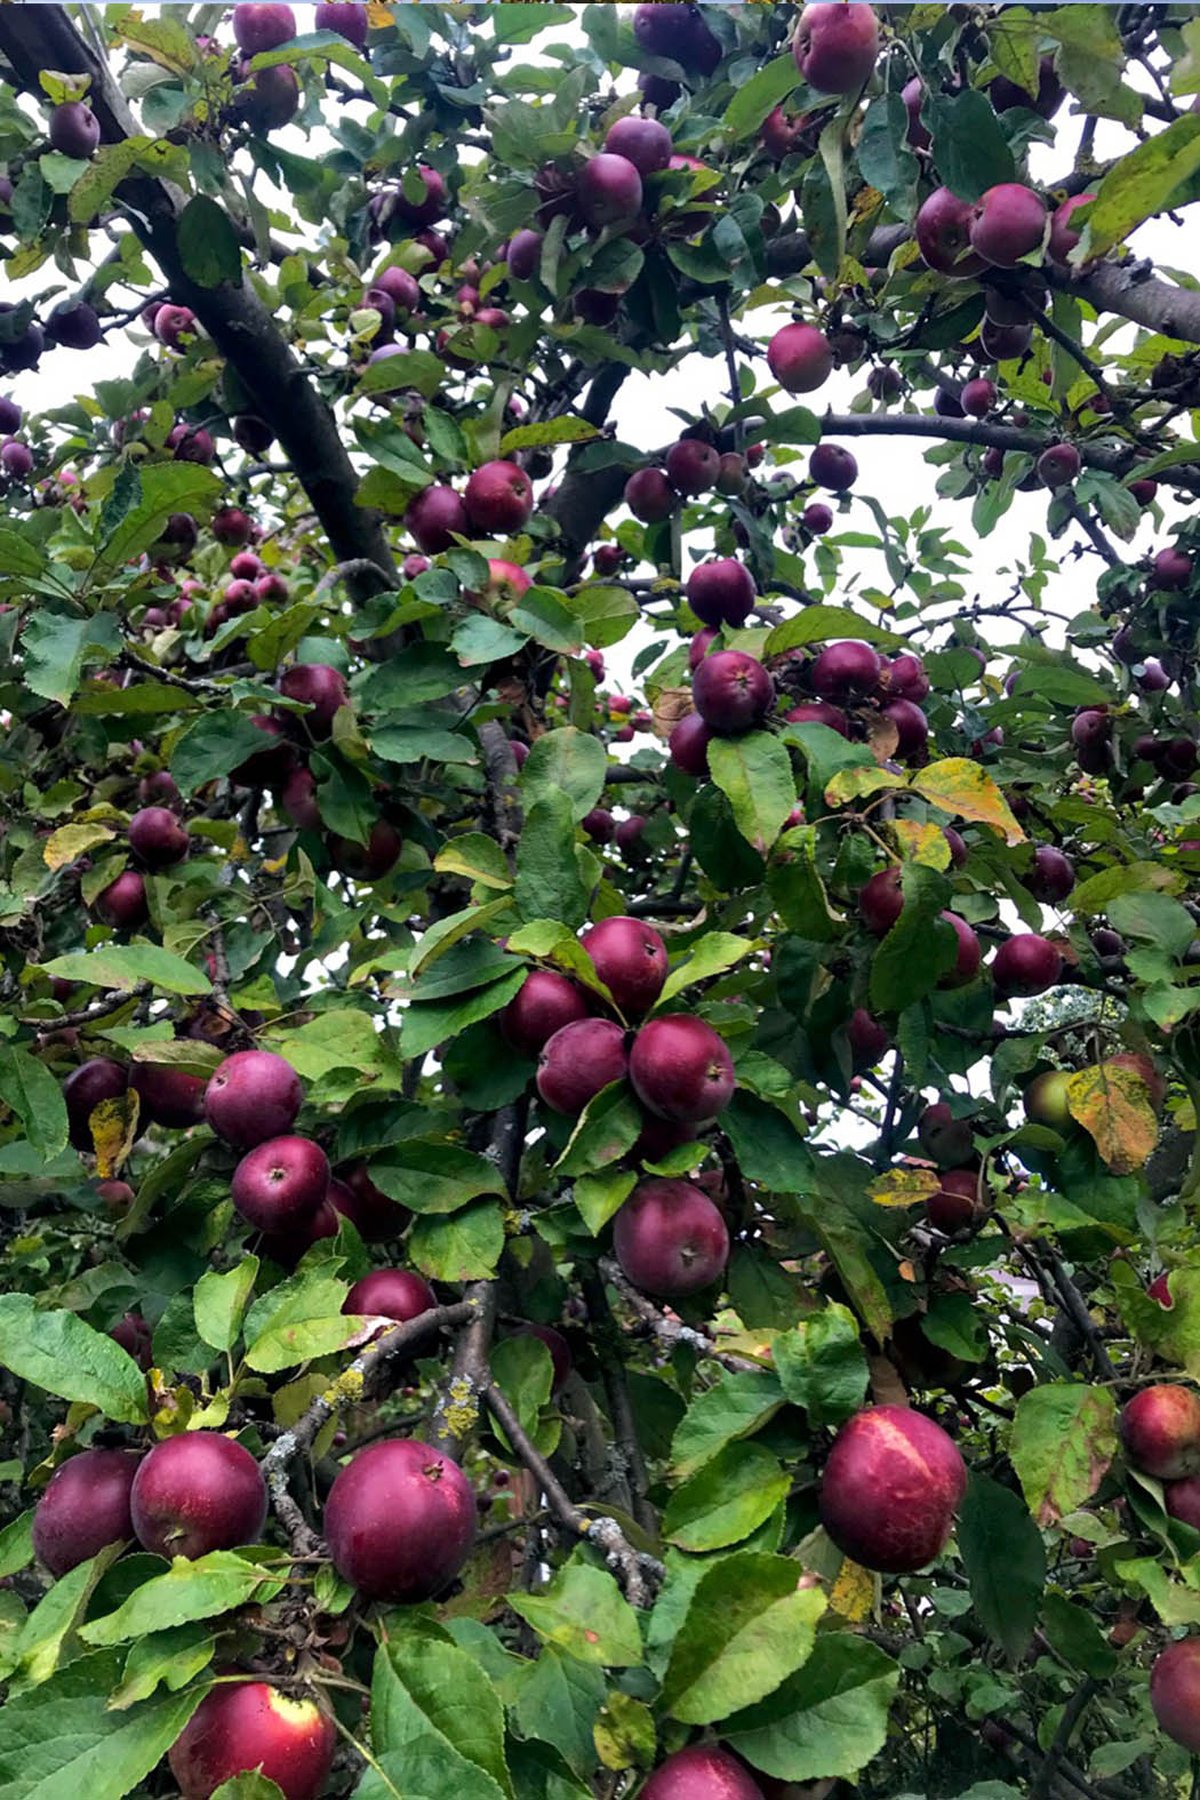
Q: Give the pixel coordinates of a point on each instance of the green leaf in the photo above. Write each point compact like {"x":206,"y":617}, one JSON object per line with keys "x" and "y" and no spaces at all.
{"x":749,"y":1627}
{"x":559,"y":1701}
{"x":18,"y":556}
{"x":428,"y":1024}
{"x":123,"y":966}
{"x":919,"y":949}
{"x":736,"y":1406}
{"x":465,"y":1247}
{"x":434,"y":1178}
{"x":203,"y":1589}
{"x":608,"y":1127}
{"x":16,"y":1545}
{"x":169,"y":1658}
{"x":820,"y":624}
{"x":1096,"y":893}
{"x":59,"y":1352}
{"x":600,"y":1196}
{"x":769,"y":1148}
{"x":733,"y":1494}
{"x":550,"y":620}
{"x":213,"y":746}
{"x":436,"y":1717}
{"x":476,"y":856}
{"x":30,"y":1090}
{"x":61,"y":1739}
{"x":969,"y":146}
{"x":827,"y":1721}
{"x":822,"y":1365}
{"x":549,"y":884}
{"x":55,"y":648}
{"x":584,"y":1612}
{"x":754,"y":772}
{"x":884,"y":158}
{"x":342,"y":1039}
{"x":710,"y":955}
{"x":1005,"y":1560}
{"x":1141,"y":184}
{"x":167,"y":488}
{"x":41,"y":1639}
{"x":570,"y":762}
{"x":760,"y":95}
{"x":1074,"y":1633}
{"x":207,"y":244}
{"x":220,"y":1301}
{"x":296,"y":1321}
{"x":1064,"y":1439}
{"x":566,"y":428}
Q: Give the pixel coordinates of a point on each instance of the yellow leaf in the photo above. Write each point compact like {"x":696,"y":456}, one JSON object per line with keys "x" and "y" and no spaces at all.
{"x":1113,"y":1105}
{"x":670,"y":705}
{"x":922,"y":843}
{"x":69,"y":841}
{"x":960,"y":786}
{"x":379,"y":17}
{"x":852,"y":1596}
{"x":903,"y":1187}
{"x":852,"y":784}
{"x":113,"y":1125}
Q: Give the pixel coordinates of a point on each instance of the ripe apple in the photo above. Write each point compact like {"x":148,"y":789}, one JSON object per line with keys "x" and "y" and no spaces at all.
{"x":978,"y":397}
{"x":130,"y":1331}
{"x":1175,"y":1692}
{"x":817,"y":517}
{"x":270,"y":765}
{"x":396,"y":205}
{"x":609,"y":190}
{"x":702,"y":1772}
{"x":100,"y":1078}
{"x":800,"y":358}
{"x":1182,"y":1500}
{"x":157,"y":837}
{"x":832,"y":466}
{"x":1160,"y":1290}
{"x":390,"y":1294}
{"x":370,"y":861}
{"x":1026,"y":965}
{"x":1063,"y":236}
{"x":1008,"y":224}
{"x":681,"y":1069}
{"x":599,"y":825}
{"x":867,"y":1038}
{"x":732,"y":691}
{"x":784,"y":132}
{"x":949,"y":1141}
{"x":678,"y":33}
{"x":280,"y":1183}
{"x":249,"y":1727}
{"x":271,"y":99}
{"x":123,"y":903}
{"x":252,"y":434}
{"x":167,"y":1096}
{"x":881,"y":901}
{"x":1059,"y":466}
{"x":912,"y":728}
{"x":373,"y":1213}
{"x":721,"y":592}
{"x":197,"y":1492}
{"x":646,"y":143}
{"x":968,"y":956}
{"x":252,"y":1096}
{"x":74,"y":130}
{"x":16,"y":459}
{"x":890,"y":1489}
{"x":75,"y":326}
{"x":1171,"y":570}
{"x":580,"y":1060}
{"x":298,"y":799}
{"x":260,"y":28}
{"x":693,"y":466}
{"x":650,"y":496}
{"x":943,"y":233}
{"x":435,"y":517}
{"x":544,"y":1004}
{"x":670,"y":1239}
{"x":1050,"y":876}
{"x":321,"y":688}
{"x":1004,"y":343}
{"x":819,"y":712}
{"x":345,"y":17}
{"x":498,"y":498}
{"x":631,"y":960}
{"x":688,"y":745}
{"x":836,"y":45}
{"x":84,"y":1507}
{"x":400,"y":1521}
{"x":1160,"y":1429}
{"x":957,"y":1202}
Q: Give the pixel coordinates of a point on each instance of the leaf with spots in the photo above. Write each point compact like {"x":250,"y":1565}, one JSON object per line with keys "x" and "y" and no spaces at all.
{"x":1113,"y":1106}
{"x":1063,"y":1442}
{"x":960,"y":786}
{"x":903,"y":1187}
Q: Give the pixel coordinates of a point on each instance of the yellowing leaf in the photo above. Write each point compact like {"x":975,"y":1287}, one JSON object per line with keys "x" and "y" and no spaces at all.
{"x":852,"y":1595}
{"x":960,"y":786}
{"x":70,"y":841}
{"x":670,"y":705}
{"x":903,"y":1187}
{"x":379,"y":17}
{"x":922,"y":843}
{"x":113,"y":1125}
{"x":852,"y":784}
{"x":1113,"y":1106}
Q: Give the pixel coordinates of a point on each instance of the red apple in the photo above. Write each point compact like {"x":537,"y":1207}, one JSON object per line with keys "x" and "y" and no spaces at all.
{"x":1009,"y":223}
{"x":260,"y":28}
{"x":400,"y":1521}
{"x":692,"y":466}
{"x":321,"y":688}
{"x":957,"y":1202}
{"x":84,"y":1507}
{"x":670,"y":1239}
{"x":370,"y":861}
{"x":545,"y":1003}
{"x":435,"y":517}
{"x":252,"y":1096}
{"x":197,"y":1492}
{"x":1063,"y":236}
{"x":631,"y":960}
{"x":580,"y":1060}
{"x":98,"y":1079}
{"x":609,"y":190}
{"x":1160,"y":1429}
{"x":1050,"y":876}
{"x":646,"y":143}
{"x":890,"y":1489}
{"x":681,"y":1069}
{"x":688,"y":745}
{"x":1175,"y":1692}
{"x":943,"y":233}
{"x":280,"y":1183}
{"x":835,"y":45}
{"x":650,"y":496}
{"x":1026,"y":965}
{"x":390,"y":1294}
{"x":1171,"y":570}
{"x":800,"y":358}
{"x":123,"y":903}
{"x":702,"y":1772}
{"x":867,"y":1038}
{"x":721,"y":592}
{"x":832,"y":466}
{"x":373,"y":1213}
{"x":157,"y":837}
{"x":968,"y":954}
{"x":732,"y":691}
{"x":167,"y":1096}
{"x":249,"y":1727}
{"x":74,"y":130}
{"x":1059,"y":466}
{"x":819,"y":712}
{"x":498,"y":498}
{"x":346,"y":18}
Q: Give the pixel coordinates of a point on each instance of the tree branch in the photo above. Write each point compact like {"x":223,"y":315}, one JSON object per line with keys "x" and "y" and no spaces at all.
{"x":669,"y":1332}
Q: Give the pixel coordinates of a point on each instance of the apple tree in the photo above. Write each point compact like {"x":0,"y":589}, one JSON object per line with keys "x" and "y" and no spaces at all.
{"x":574,"y":1231}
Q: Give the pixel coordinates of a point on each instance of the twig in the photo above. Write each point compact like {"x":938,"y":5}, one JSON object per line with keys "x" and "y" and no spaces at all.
{"x":87,"y":1015}
{"x":670,"y":1332}
{"x":607,"y":1341}
{"x":1076,"y":1309}
{"x":639,"y":1574}
{"x":1072,"y":1713}
{"x":735,"y":391}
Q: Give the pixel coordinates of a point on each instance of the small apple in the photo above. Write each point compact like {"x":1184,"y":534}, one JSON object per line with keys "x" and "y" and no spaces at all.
{"x":732,"y":691}
{"x":74,"y":130}
{"x":280,"y":1183}
{"x":1026,"y":965}
{"x":832,"y":466}
{"x":835,"y":46}
{"x":943,"y":233}
{"x":1008,"y":223}
{"x":400,"y":1521}
{"x":197,"y":1492}
{"x":98,"y":1079}
{"x":631,"y":960}
{"x":578,"y":1061}
{"x":321,"y":688}
{"x":543,"y":1005}
{"x":670,"y":1239}
{"x":390,"y":1294}
{"x":646,"y":143}
{"x":498,"y":498}
{"x":693,"y":466}
{"x":650,"y":496}
{"x":800,"y":358}
{"x":435,"y":517}
{"x":1175,"y":1692}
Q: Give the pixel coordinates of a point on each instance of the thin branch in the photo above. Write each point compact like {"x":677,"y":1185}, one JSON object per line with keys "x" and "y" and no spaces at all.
{"x":668,"y":1331}
{"x":607,"y":1341}
{"x":1072,"y":1713}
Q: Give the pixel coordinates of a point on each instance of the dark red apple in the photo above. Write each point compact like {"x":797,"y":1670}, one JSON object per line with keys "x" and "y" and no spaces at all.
{"x":817,"y":517}
{"x":1063,"y":236}
{"x":702,"y":1772}
{"x":321,"y":688}
{"x":912,"y":728}
{"x":498,"y":498}
{"x":1026,"y":965}
{"x":904,"y":678}
{"x":1160,"y":1429}
{"x":609,"y":190}
{"x":435,"y":517}
{"x":646,"y":143}
{"x":345,"y":17}
{"x":832,"y":466}
{"x":890,"y":1489}
{"x":390,"y":1294}
{"x":400,"y":1521}
{"x":1059,"y":466}
{"x":167,"y":1096}
{"x":298,"y":798}
{"x":968,"y":954}
{"x":98,"y":1079}
{"x":721,"y":592}
{"x":670,"y":1239}
{"x":1050,"y":876}
{"x":688,"y":745}
{"x":800,"y":358}
{"x":598,"y":824}
{"x":16,"y":459}
{"x":84,"y":1507}
{"x":131,"y":1331}
{"x":732,"y":691}
{"x":949,"y":1141}
{"x":650,"y":496}
{"x":545,"y":1003}
{"x":252,"y":1096}
{"x":881,"y":901}
{"x":374,"y":1215}
{"x":867,"y":1038}
{"x":1175,"y":1692}
{"x":819,"y":712}
{"x":396,"y":205}
{"x":580,"y":1060}
{"x":681,"y":1069}
{"x":836,"y":45}
{"x":123,"y":903}
{"x":631,"y":960}
{"x":1182,"y":1499}
{"x":370,"y":861}
{"x":957,"y":1202}
{"x":1160,"y":1290}
{"x":197,"y":1492}
{"x":157,"y":837}
{"x":1171,"y":570}
{"x":280,"y":1183}
{"x":270,"y":765}
{"x":978,"y":397}
{"x":249,"y":1727}
{"x":74,"y":130}
{"x":692,"y":466}
{"x":75,"y":326}
{"x":260,"y":28}
{"x":1008,"y":223}
{"x":943,"y":233}
{"x":1004,"y":343}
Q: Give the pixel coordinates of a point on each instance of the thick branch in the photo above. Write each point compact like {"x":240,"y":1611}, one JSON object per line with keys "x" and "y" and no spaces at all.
{"x":42,"y":37}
